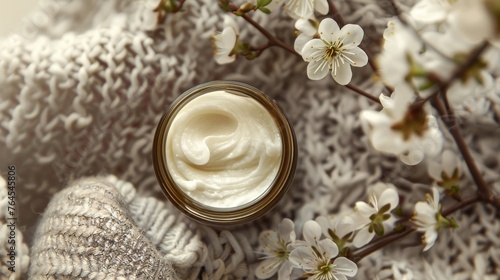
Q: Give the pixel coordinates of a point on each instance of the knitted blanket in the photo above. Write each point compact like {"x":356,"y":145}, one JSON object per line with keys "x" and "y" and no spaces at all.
{"x":81,"y":91}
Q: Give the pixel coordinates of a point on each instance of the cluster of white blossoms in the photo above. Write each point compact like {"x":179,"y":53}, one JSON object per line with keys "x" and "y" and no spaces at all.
{"x":434,"y":41}
{"x":324,"y":45}
{"x":328,"y":241}
{"x":312,"y":258}
{"x":440,"y":52}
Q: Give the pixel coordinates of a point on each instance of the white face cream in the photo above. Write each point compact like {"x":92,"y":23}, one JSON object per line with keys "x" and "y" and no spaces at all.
{"x":223,"y":150}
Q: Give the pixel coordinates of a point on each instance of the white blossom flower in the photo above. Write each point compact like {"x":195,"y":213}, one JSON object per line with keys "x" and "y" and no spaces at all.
{"x":307,"y":28}
{"x":446,"y":173}
{"x":396,"y":129}
{"x":400,"y":54}
{"x":375,"y":216}
{"x":315,"y":257}
{"x":428,"y":218}
{"x":338,"y":228}
{"x":224,"y":44}
{"x":305,"y":8}
{"x":276,"y":246}
{"x":335,"y":51}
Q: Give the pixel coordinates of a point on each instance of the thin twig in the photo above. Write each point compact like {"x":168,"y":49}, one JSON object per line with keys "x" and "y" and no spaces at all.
{"x":272,"y":39}
{"x":461,"y":205}
{"x":363,"y":93}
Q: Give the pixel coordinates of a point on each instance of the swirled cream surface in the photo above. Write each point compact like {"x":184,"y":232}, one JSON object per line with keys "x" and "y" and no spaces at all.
{"x":223,"y":150}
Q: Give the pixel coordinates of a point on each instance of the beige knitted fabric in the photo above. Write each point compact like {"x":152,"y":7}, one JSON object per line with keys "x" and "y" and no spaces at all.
{"x":88,"y":232}
{"x":82,"y":89}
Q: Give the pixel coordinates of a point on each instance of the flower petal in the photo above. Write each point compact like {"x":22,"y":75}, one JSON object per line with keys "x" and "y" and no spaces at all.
{"x":339,"y":276}
{"x":386,"y":140}
{"x":269,"y":239}
{"x":321,"y":6}
{"x":389,"y":196}
{"x":346,"y":266}
{"x":425,"y":213}
{"x":303,"y":257}
{"x":344,"y":226}
{"x":364,"y":209}
{"x":434,"y":170}
{"x":430,"y":237}
{"x":300,"y":42}
{"x":312,"y":49}
{"x":352,"y":35}
{"x":342,"y":74}
{"x":449,"y":161}
{"x":358,"y":57}
{"x":328,"y":248}
{"x":304,"y":26}
{"x":229,"y":22}
{"x":375,"y":118}
{"x":317,"y":70}
{"x":325,"y":224}
{"x":267,"y":268}
{"x":386,"y":101}
{"x":311,"y":232}
{"x":300,"y":8}
{"x":328,"y":30}
{"x":363,"y":237}
{"x":228,"y":38}
{"x":285,"y":271}
{"x":224,"y":58}
{"x":285,"y":229}
{"x":435,"y":196}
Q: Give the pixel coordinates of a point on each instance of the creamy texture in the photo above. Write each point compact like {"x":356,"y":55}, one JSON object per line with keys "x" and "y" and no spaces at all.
{"x":223,"y":150}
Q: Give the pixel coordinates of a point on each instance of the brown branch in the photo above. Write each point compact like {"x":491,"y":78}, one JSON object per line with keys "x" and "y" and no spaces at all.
{"x":461,"y":205}
{"x":381,"y":243}
{"x":459,"y":72}
{"x":272,"y":39}
{"x":450,"y":120}
{"x":363,"y":93}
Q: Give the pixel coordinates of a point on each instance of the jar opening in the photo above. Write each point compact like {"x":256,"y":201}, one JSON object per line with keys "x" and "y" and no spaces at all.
{"x":224,"y":153}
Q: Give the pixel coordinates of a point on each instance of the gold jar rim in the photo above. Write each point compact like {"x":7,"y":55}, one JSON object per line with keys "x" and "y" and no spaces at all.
{"x":233,"y":215}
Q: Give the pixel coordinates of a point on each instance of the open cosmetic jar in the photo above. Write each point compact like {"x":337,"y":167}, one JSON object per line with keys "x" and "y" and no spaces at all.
{"x":224,"y":153}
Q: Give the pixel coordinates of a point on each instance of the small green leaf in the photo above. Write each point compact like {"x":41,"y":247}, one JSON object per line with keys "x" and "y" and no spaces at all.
{"x":265,"y":10}
{"x":263,"y":3}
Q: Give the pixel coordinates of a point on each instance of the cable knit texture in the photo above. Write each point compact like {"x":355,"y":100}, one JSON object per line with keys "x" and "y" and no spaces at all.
{"x":82,"y":89}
